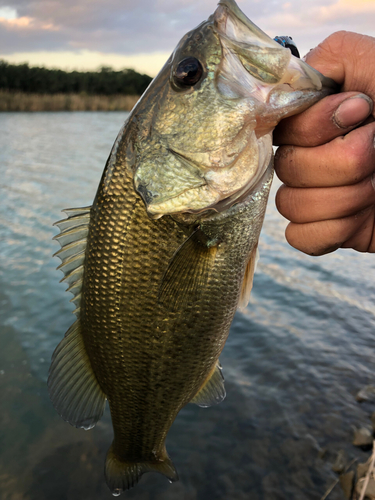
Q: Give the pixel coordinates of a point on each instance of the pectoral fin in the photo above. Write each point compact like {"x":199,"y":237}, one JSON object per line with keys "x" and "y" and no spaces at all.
{"x":247,"y":283}
{"x":212,"y":391}
{"x":188,"y":271}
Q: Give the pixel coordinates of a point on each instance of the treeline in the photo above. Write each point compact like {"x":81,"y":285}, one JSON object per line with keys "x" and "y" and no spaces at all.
{"x":35,"y":80}
{"x":22,"y":101}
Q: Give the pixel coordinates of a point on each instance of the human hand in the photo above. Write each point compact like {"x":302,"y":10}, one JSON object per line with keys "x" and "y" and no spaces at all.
{"x":327,"y":162}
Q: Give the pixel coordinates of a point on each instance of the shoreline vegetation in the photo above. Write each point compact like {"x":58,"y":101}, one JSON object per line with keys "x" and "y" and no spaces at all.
{"x":26,"y":88}
{"x":21,"y":101}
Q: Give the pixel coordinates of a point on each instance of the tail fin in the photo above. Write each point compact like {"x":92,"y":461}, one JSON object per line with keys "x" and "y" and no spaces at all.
{"x":121,"y":476}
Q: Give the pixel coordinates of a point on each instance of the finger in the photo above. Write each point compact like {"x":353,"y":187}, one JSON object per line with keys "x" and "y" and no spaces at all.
{"x":363,"y":240}
{"x":319,"y":238}
{"x":301,"y":205}
{"x":331,"y":117}
{"x":346,"y":160}
{"x":345,"y":56}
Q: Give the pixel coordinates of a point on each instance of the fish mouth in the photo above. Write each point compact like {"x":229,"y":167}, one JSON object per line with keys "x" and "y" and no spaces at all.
{"x":254,"y":64}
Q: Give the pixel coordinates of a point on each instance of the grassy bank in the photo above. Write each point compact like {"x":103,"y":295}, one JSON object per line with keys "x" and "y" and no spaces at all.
{"x":19,"y":101}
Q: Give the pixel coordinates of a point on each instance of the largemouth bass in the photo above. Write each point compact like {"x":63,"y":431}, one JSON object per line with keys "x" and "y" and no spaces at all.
{"x":160,"y":262}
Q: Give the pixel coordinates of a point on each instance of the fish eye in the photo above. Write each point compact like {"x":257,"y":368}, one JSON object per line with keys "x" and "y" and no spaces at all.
{"x":188,"y":72}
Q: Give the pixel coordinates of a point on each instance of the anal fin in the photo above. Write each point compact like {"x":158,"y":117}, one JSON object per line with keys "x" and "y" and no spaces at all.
{"x":73,"y":387}
{"x":212,"y":391}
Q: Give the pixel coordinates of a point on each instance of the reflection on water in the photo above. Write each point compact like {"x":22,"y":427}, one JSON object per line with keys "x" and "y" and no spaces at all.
{"x":293,"y":362}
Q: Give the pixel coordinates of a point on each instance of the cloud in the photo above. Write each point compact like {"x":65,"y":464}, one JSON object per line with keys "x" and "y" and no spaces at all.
{"x":8,"y":13}
{"x":346,"y":9}
{"x":130,"y":27}
{"x":26,"y":22}
{"x":116,"y":26}
{"x":19,"y":22}
{"x":309,"y":25}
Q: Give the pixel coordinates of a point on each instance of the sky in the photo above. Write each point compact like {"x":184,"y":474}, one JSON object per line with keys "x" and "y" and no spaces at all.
{"x":141,"y":34}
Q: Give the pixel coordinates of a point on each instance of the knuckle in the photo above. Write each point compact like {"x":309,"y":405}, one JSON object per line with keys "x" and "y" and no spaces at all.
{"x":358,"y":153}
{"x":279,"y":199}
{"x":282,"y":201}
{"x":354,"y":160}
{"x":330,"y":46}
{"x":336,"y":42}
{"x":288,"y":203}
{"x":298,"y":236}
{"x":286,"y":165}
{"x":284,"y":159}
{"x":283,"y":153}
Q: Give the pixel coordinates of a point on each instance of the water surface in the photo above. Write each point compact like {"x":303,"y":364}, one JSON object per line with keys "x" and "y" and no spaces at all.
{"x":293,"y":363}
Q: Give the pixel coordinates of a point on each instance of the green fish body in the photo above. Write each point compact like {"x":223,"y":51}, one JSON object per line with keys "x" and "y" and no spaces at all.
{"x":160,"y":262}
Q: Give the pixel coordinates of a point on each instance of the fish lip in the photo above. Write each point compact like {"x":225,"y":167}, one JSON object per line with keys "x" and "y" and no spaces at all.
{"x":245,"y":31}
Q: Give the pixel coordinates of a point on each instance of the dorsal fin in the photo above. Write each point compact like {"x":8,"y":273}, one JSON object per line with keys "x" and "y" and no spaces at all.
{"x":247,"y":283}
{"x":73,"y":239}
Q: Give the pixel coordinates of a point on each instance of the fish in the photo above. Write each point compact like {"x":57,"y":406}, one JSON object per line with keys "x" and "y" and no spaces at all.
{"x":165,"y":255}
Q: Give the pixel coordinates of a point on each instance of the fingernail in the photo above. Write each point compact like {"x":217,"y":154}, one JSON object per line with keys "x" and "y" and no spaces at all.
{"x":353,"y":111}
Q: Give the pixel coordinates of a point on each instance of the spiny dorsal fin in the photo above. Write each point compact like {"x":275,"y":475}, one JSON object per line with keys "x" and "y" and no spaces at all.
{"x":73,"y":240}
{"x":212,"y":391}
{"x":247,"y":283}
{"x":188,"y":271}
{"x":121,"y":476}
{"x":72,"y":385}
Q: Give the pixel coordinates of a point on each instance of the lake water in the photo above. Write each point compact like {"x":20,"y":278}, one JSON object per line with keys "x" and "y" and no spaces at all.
{"x":293,"y":363}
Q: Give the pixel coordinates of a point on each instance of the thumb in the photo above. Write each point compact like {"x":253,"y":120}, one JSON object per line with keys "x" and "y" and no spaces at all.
{"x":333,"y":116}
{"x":348,"y":59}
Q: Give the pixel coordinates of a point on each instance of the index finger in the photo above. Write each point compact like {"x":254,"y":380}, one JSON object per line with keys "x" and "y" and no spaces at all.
{"x":346,"y":160}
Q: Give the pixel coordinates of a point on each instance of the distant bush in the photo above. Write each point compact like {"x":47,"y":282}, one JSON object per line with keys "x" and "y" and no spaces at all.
{"x":24,"y":78}
{"x":21,"y":101}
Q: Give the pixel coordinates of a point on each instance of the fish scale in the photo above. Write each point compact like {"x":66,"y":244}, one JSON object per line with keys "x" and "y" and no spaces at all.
{"x":153,"y":345}
{"x":167,"y":252}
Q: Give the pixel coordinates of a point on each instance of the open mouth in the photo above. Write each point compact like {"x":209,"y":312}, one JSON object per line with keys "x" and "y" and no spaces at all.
{"x":253,"y":63}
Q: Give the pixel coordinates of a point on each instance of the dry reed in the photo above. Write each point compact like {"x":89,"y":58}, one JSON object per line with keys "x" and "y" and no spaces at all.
{"x":368,"y":474}
{"x":19,"y":101}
